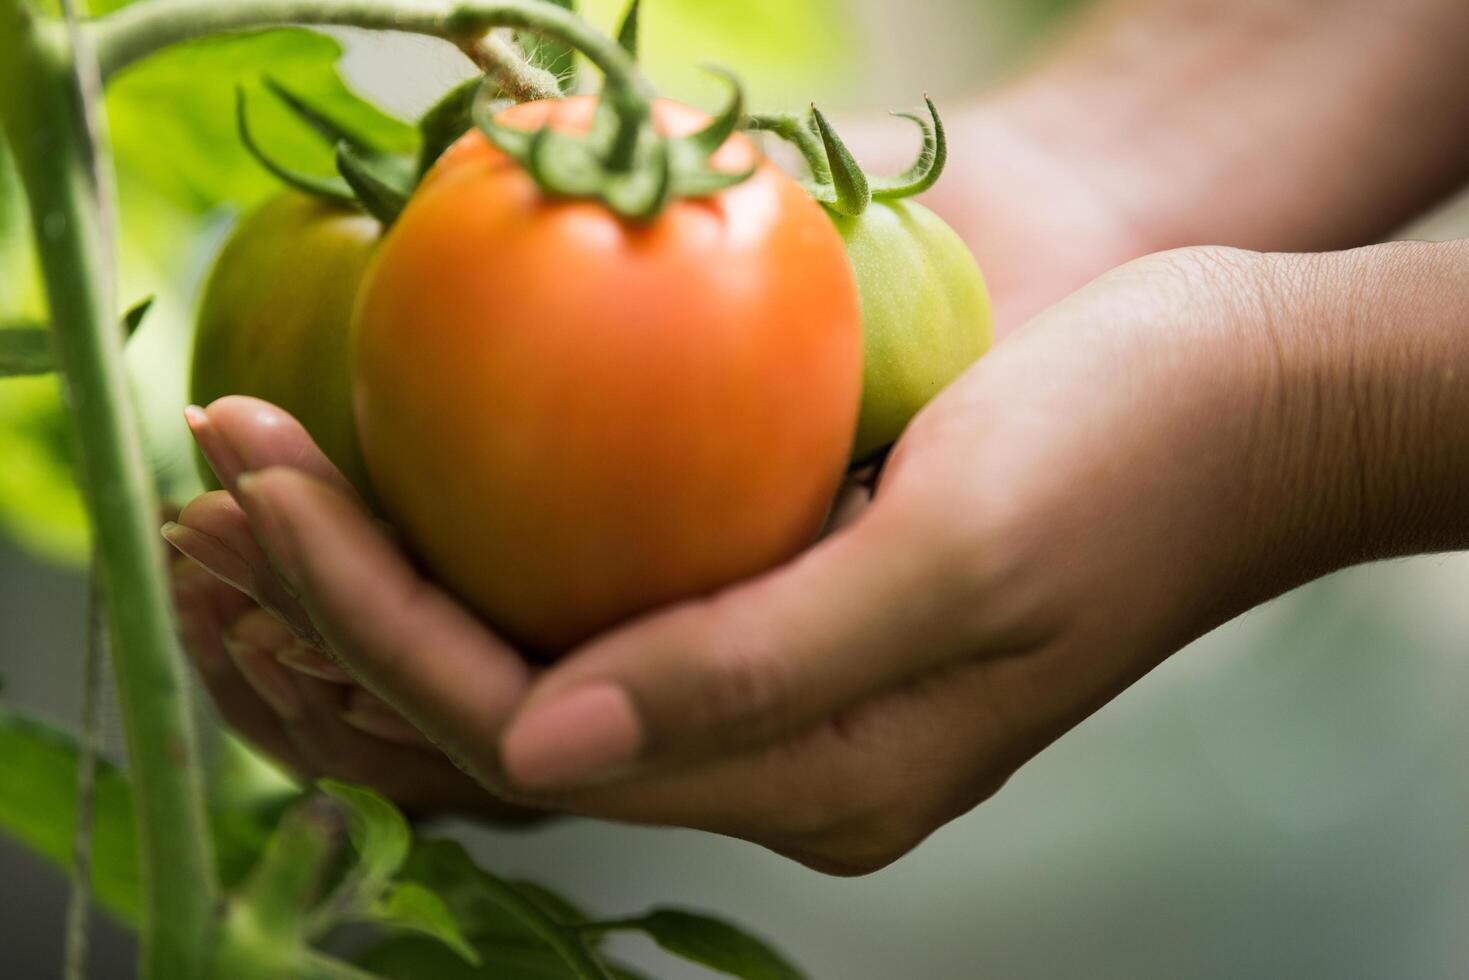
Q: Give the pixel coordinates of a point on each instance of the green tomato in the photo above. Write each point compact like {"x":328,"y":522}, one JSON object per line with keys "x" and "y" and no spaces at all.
{"x":276,"y":319}
{"x":925,"y":313}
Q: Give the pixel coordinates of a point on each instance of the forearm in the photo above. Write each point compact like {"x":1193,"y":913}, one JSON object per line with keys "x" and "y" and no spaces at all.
{"x":1371,"y":399}
{"x":1261,"y":124}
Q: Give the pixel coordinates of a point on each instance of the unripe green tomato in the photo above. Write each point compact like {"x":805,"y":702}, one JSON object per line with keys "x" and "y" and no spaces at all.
{"x":925,"y":313}
{"x":277,"y":314}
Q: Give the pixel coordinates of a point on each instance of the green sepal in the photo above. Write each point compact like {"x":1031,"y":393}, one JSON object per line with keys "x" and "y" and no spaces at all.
{"x":708,"y":140}
{"x":383,"y":182}
{"x":510,"y":140}
{"x":564,"y":162}
{"x":707,"y":182}
{"x":333,"y":189}
{"x":325,"y":126}
{"x":627,"y":32}
{"x":926,"y":171}
{"x":445,"y":121}
{"x":622,"y":161}
{"x":850,"y":191}
{"x":642,"y":192}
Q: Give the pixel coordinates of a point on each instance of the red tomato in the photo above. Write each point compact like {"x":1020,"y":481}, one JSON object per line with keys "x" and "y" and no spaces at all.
{"x":574,"y":418}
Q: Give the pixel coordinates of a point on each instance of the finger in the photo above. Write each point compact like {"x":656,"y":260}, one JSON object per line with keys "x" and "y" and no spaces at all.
{"x":204,"y":605}
{"x":216,"y":533}
{"x":400,"y":636}
{"x":371,"y":714}
{"x":858,"y":613}
{"x":853,"y":794}
{"x":252,"y":641}
{"x":238,"y":434}
{"x":304,"y":658}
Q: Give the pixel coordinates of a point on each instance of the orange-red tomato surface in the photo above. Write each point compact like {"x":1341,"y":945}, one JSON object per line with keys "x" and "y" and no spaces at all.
{"x":576,"y":418}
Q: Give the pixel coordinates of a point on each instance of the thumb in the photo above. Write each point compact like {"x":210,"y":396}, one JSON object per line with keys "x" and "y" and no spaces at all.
{"x":861,"y":611}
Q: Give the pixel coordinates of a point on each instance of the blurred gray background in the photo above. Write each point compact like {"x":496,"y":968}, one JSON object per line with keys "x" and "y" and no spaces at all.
{"x":1286,"y":798}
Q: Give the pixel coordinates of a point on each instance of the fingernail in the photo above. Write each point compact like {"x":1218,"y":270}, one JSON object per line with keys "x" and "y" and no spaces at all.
{"x":381,"y":722}
{"x":212,"y":554}
{"x":266,"y":520}
{"x":584,"y":736}
{"x":266,"y":676}
{"x":217,"y":451}
{"x":313,"y":663}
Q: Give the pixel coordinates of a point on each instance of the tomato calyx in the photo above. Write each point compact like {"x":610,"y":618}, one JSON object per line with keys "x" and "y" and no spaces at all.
{"x":622,"y":161}
{"x":836,"y":180}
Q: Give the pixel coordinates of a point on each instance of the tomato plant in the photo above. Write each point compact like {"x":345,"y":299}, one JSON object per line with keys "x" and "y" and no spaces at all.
{"x":275,"y":318}
{"x":606,"y":357}
{"x":610,"y":415}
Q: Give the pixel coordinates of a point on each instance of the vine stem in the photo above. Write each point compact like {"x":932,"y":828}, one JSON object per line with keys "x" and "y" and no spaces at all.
{"x":500,"y":57}
{"x":134,"y":32}
{"x":42,"y":96}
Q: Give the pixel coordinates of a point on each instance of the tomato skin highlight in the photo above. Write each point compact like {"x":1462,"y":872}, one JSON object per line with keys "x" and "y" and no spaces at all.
{"x":276,"y":317}
{"x":573,"y":418}
{"x":925,"y":313}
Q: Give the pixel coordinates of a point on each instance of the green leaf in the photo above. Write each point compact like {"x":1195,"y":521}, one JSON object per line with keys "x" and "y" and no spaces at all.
{"x":38,"y":809}
{"x":446,"y":868}
{"x":780,"y":47}
{"x":172,"y":125}
{"x":413,"y":958}
{"x":412,"y":906}
{"x":715,"y":944}
{"x":40,"y":505}
{"x":132,"y":318}
{"x":555,"y":905}
{"x":383,"y":182}
{"x":379,"y":834}
{"x":25,"y":350}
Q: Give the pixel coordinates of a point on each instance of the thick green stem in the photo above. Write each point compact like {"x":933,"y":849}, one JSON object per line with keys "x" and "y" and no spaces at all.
{"x":134,"y":32}
{"x":262,"y":935}
{"x":42,"y":108}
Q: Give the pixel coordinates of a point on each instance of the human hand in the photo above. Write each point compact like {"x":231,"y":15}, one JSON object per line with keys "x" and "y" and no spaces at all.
{"x":1186,"y":437}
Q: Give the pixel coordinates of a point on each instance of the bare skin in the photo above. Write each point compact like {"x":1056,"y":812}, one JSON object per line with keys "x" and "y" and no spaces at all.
{"x":1185,"y":437}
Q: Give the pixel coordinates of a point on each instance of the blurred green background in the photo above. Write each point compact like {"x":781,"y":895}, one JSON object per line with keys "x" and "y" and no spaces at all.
{"x":1287,"y":798}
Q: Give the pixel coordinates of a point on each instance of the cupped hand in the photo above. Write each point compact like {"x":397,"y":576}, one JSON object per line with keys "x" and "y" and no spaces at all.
{"x":268,"y":668}
{"x":1087,"y":499}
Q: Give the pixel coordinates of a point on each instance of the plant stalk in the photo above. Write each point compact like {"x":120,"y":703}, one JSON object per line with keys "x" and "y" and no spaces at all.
{"x":44,"y":113}
{"x":78,"y":919}
{"x":134,"y":32}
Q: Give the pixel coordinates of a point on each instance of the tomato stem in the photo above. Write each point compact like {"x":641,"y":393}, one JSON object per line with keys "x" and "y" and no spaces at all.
{"x":132,"y":33}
